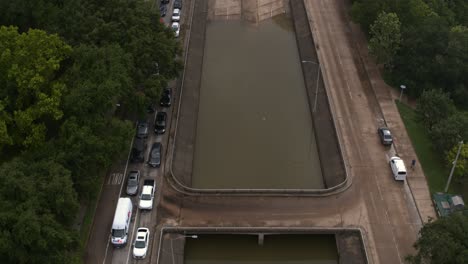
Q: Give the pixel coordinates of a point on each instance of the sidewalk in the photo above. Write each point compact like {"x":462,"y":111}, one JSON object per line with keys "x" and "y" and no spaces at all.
{"x":402,"y":143}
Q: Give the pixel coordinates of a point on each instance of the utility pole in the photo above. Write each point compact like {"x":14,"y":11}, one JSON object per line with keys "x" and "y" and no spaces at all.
{"x":453,"y":167}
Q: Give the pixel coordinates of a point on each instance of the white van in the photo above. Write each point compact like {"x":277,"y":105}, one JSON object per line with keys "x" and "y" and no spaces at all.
{"x":398,"y":168}
{"x":121,"y":224}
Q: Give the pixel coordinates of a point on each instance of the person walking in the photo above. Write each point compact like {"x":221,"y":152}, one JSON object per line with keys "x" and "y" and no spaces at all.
{"x":413,"y":163}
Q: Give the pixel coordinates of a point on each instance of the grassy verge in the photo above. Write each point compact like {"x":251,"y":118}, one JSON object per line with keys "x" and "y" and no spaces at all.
{"x":431,"y":161}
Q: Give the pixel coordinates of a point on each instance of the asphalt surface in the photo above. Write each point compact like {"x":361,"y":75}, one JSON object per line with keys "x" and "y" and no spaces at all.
{"x":389,"y":213}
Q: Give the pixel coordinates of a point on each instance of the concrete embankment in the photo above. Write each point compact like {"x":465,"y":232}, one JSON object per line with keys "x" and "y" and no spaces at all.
{"x":333,"y":168}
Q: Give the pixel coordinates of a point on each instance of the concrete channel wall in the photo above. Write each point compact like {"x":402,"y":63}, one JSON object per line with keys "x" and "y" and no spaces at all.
{"x":181,"y":163}
{"x":171,"y":244}
{"x":331,"y":158}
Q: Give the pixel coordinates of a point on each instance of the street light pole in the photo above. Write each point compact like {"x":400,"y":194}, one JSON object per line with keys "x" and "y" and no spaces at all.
{"x":403,"y":87}
{"x":453,"y":166}
{"x":317,"y":84}
{"x":172,"y":246}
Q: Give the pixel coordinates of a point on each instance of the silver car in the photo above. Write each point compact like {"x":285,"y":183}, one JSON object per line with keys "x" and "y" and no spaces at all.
{"x":133,"y":182}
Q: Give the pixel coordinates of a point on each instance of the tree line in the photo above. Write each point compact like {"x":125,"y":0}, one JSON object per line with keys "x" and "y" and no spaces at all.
{"x":73,"y":73}
{"x":423,"y":44}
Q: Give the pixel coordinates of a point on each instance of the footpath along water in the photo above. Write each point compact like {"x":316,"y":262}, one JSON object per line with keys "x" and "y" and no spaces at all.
{"x":277,"y":249}
{"x":254,"y":126}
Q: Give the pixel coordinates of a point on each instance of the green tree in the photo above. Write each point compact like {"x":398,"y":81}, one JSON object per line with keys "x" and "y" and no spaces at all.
{"x":385,"y":37}
{"x":442,"y":241}
{"x":365,"y":12}
{"x":30,"y":97}
{"x":454,"y":64}
{"x":434,"y":106}
{"x":38,"y":204}
{"x":447,"y":132}
{"x":461,"y":169}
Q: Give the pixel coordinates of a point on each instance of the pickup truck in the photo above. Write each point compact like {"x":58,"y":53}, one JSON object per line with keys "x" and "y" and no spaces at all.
{"x":147,"y":195}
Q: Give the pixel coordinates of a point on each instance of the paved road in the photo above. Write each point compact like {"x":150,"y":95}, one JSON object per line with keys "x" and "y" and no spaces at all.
{"x":384,"y":209}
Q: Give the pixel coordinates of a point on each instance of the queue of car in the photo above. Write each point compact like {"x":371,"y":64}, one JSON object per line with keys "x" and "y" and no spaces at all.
{"x":124,"y":210}
{"x":123,"y":213}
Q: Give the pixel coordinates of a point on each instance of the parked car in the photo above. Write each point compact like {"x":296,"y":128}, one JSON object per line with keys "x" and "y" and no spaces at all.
{"x":150,"y":109}
{"x":133,"y":182}
{"x":160,"y":123}
{"x":176,"y":15}
{"x":142,"y":129}
{"x":147,"y":195}
{"x":140,"y":246}
{"x":164,"y":2}
{"x":137,"y":153}
{"x":154,"y":159}
{"x":166,"y":97}
{"x":176,"y":27}
{"x":178,"y":4}
{"x":163,"y":10}
{"x":398,"y":168}
{"x":385,"y":135}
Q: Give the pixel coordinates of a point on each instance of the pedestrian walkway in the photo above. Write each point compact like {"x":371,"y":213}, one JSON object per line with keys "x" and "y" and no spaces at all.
{"x":402,"y":143}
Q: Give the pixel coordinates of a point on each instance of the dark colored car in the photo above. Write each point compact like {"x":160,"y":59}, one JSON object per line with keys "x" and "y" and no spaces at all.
{"x":133,"y":182}
{"x":142,"y":129}
{"x":164,"y":2}
{"x":155,"y":156}
{"x":385,"y":136}
{"x":178,"y":4}
{"x":166,"y":97}
{"x":163,"y":10}
{"x":160,"y":123}
{"x":138,"y":150}
{"x":150,"y":109}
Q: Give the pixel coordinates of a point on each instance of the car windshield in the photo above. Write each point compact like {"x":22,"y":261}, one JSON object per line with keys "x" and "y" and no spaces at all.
{"x":146,"y":197}
{"x":387,"y":137}
{"x":140,"y":244}
{"x":118,"y":232}
{"x":175,"y":27}
{"x":132,"y":181}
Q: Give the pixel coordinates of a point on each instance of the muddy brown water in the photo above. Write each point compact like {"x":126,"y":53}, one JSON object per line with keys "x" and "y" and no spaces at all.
{"x":276,"y":249}
{"x":254,"y":126}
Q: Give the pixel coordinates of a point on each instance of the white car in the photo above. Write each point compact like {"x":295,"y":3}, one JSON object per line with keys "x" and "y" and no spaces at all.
{"x":140,"y":246}
{"x":176,"y":15}
{"x":176,"y":27}
{"x":398,"y":168}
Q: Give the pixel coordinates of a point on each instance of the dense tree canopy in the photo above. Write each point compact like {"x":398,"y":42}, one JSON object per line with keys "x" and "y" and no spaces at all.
{"x":74,"y":74}
{"x":443,"y":241}
{"x":386,"y":37}
{"x":30,"y":95}
{"x":433,"y":49}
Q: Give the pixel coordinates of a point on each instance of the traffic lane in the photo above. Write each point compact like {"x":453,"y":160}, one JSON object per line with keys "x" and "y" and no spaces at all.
{"x":98,"y":241}
{"x":123,"y":255}
{"x":148,"y":218}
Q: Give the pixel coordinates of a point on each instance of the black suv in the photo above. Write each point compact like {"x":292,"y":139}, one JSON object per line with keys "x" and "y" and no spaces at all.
{"x":160,"y":123}
{"x":163,"y":10}
{"x":155,"y":157}
{"x":142,"y":129}
{"x":138,"y":150}
{"x":166,"y":97}
{"x":178,"y":4}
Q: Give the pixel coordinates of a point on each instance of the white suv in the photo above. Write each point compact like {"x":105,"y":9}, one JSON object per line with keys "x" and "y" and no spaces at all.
{"x":398,"y":168}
